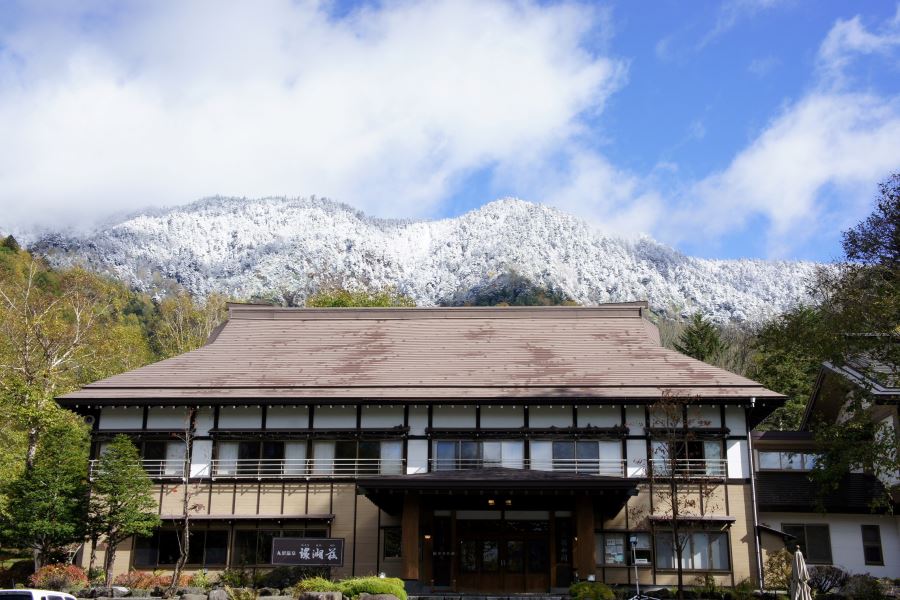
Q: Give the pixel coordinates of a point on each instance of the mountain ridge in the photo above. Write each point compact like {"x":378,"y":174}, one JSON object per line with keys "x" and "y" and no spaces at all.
{"x":260,"y":247}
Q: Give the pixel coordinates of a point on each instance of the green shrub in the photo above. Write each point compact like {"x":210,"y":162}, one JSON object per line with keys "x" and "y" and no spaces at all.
{"x":241,"y":593}
{"x":200,"y":579}
{"x":372,"y":585}
{"x":863,"y":587}
{"x":285,"y":577}
{"x":742,"y":590}
{"x":778,"y":570}
{"x":235,"y":578}
{"x":316,"y":584}
{"x":591,"y":590}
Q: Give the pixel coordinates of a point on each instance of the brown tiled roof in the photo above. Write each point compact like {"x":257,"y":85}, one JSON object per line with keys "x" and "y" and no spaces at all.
{"x":423,"y":353}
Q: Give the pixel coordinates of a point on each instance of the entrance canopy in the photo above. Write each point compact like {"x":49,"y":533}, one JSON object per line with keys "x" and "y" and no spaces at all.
{"x":465,"y":487}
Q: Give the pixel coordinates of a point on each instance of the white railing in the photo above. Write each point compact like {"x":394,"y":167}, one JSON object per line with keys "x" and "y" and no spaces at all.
{"x":610,"y":467}
{"x":157,"y":469}
{"x":692,"y":468}
{"x":305,"y":467}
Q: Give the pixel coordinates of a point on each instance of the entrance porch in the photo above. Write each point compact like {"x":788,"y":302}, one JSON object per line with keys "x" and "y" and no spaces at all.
{"x":497,"y":531}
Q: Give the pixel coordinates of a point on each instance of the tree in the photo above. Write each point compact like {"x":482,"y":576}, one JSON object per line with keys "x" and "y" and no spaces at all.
{"x":343,"y":298}
{"x":681,"y":486}
{"x":58,"y":329}
{"x":10,"y":243}
{"x":184,"y":324}
{"x":787,"y":358}
{"x":514,"y":289}
{"x":47,"y":503}
{"x":188,"y":506}
{"x":700,"y":340}
{"x":121,"y":503}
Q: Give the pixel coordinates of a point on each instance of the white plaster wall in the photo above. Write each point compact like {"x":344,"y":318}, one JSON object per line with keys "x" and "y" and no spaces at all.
{"x":121,"y":418}
{"x":451,"y":416}
{"x":498,"y":417}
{"x":287,"y":417}
{"x":738,"y":463}
{"x":165,"y":417}
{"x":550,"y":416}
{"x":240,"y":417}
{"x":329,"y":417}
{"x":418,"y":420}
{"x":417,"y":456}
{"x":704,"y":416}
{"x":201,"y":454}
{"x":846,"y":538}
{"x":735,"y":420}
{"x":599,"y":416}
{"x":381,"y":417}
{"x":635,"y":419}
{"x":204,"y":421}
{"x":636,"y":466}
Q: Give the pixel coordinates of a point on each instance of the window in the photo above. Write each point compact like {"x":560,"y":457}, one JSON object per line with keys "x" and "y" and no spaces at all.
{"x":598,"y":457}
{"x":787,"y":461}
{"x":208,"y":548}
{"x":163,"y":458}
{"x":702,"y":551}
{"x":351,"y":457}
{"x":871,"y":538}
{"x":452,"y":455}
{"x":691,"y":457}
{"x":391,"y":544}
{"x":813,"y":540}
{"x":252,"y":546}
{"x":614,"y":548}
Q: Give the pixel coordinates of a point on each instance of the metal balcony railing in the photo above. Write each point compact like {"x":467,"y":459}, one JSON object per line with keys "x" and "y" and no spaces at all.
{"x":691,"y":468}
{"x":157,"y":469}
{"x":610,"y":467}
{"x":305,"y":467}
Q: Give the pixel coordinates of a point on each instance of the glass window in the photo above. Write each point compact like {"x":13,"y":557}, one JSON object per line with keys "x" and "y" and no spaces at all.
{"x":813,"y":540}
{"x":702,"y":551}
{"x":391,"y":543}
{"x":587,"y":451}
{"x":492,"y":454}
{"x":769,"y":460}
{"x":791,"y":461}
{"x":168,"y":547}
{"x":195,"y":548}
{"x":445,"y":456}
{"x":216,"y":548}
{"x":515,"y":556}
{"x":469,"y":455}
{"x":563,"y":455}
{"x":490,"y":556}
{"x":244,"y":547}
{"x":871,"y":537}
{"x":146,"y":550}
{"x":643,"y":554}
{"x":392,"y":457}
{"x":611,"y":548}
{"x":468,"y":556}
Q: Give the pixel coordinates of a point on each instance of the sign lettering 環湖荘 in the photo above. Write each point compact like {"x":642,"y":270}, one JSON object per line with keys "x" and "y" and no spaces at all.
{"x":308,"y":552}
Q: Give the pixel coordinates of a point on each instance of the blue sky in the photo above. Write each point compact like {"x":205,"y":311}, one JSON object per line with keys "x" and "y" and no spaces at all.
{"x":740,"y":128}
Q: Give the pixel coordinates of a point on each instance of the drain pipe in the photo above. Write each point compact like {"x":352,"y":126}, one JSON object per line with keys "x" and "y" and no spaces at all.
{"x":756,"y":539}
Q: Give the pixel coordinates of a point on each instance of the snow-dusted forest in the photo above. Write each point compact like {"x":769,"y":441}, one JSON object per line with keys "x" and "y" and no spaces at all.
{"x":252,"y":248}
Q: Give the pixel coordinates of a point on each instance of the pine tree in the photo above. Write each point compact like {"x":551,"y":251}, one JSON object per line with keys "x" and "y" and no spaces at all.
{"x":700,"y":340}
{"x":45,"y":505}
{"x":122,"y":502}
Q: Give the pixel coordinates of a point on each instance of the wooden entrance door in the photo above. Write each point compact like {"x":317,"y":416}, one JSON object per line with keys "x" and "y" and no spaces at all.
{"x":503,"y":555}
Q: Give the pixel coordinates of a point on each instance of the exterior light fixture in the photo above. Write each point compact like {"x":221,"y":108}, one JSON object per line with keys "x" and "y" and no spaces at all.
{"x":427,"y":536}
{"x":508,"y":502}
{"x":491,"y":502}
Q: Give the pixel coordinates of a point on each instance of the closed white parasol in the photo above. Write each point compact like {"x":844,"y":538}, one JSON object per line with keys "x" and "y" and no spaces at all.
{"x":800,"y":578}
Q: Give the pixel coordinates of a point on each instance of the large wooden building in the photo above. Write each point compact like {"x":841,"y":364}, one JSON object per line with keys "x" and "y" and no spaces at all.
{"x":491,"y":449}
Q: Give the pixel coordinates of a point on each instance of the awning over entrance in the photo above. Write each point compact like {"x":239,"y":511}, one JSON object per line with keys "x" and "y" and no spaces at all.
{"x":473,"y":484}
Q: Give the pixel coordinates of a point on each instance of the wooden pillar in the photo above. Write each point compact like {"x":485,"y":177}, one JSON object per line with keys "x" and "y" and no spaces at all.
{"x":585,"y":562}
{"x":409,"y":532}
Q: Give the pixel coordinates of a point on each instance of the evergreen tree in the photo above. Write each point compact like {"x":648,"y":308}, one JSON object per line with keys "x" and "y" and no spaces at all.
{"x":46,"y":505}
{"x":700,"y":340}
{"x":10,"y":243}
{"x":342,"y":298}
{"x":121,"y":502}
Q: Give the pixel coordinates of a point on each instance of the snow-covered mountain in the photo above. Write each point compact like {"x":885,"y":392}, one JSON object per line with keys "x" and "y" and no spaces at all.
{"x":248,"y":248}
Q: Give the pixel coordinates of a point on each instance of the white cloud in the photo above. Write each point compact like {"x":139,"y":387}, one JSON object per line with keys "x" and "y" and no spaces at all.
{"x":731,"y":12}
{"x":831,"y":141}
{"x":114,"y":107}
{"x":848,"y":39}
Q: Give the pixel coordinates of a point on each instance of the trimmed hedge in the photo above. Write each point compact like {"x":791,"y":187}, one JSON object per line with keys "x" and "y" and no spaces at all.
{"x":354,"y":587}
